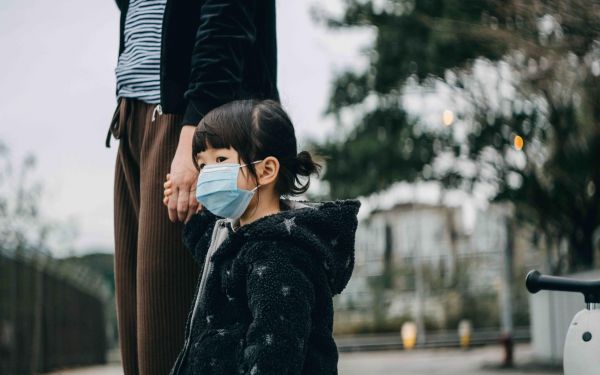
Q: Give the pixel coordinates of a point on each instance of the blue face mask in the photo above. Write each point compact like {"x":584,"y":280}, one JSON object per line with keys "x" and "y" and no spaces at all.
{"x":218,"y":192}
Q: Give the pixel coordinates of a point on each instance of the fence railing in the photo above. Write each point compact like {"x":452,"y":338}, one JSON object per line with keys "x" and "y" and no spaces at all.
{"x":52,"y":314}
{"x":441,"y":339}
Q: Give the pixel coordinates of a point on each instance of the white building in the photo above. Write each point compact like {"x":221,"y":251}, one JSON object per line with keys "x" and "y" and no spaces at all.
{"x":420,"y":238}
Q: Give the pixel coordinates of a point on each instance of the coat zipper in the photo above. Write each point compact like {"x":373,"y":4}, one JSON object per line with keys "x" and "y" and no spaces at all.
{"x":208,"y":263}
{"x":216,"y":240}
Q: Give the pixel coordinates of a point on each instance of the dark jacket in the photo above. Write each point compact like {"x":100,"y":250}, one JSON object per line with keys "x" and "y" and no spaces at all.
{"x":266,"y":302}
{"x":212,"y":52}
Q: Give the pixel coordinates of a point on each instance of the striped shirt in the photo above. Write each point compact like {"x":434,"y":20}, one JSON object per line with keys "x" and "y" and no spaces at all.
{"x":138,"y":67}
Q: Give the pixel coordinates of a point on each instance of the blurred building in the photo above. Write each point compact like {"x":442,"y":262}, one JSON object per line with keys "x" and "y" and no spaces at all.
{"x":418,"y":253}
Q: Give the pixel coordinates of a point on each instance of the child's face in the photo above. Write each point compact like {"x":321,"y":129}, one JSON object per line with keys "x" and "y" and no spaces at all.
{"x":227,"y":155}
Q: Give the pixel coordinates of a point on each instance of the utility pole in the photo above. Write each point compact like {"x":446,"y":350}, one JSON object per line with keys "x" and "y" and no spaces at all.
{"x":506,"y":294}
{"x":420,"y":318}
{"x":418,"y":268}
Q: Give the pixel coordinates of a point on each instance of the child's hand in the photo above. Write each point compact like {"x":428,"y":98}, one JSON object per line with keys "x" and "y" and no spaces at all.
{"x":167,"y":193}
{"x":168,"y":185}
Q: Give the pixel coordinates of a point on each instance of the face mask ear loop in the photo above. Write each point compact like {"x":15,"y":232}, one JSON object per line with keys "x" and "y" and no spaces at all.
{"x":254,"y":162}
{"x":255,"y":189}
{"x":257,"y":200}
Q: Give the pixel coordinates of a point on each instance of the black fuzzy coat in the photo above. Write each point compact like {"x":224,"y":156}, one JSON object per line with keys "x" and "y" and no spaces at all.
{"x":266,"y":307}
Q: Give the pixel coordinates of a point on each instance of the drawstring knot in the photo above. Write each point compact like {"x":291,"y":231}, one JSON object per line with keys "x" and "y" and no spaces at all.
{"x":157,"y":109}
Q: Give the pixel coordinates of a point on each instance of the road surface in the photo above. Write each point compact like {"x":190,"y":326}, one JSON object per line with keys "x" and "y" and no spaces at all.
{"x":480,"y":361}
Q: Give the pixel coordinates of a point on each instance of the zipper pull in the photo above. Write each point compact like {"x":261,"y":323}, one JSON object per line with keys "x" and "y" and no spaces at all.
{"x":158,"y":109}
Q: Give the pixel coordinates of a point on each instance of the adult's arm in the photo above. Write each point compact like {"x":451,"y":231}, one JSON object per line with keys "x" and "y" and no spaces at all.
{"x":224,"y":39}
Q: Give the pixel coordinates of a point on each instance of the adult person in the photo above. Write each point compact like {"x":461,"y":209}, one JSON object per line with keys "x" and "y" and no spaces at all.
{"x":177,"y":60}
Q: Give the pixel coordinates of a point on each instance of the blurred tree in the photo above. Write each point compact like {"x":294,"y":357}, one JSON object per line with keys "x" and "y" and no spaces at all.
{"x":22,"y":226}
{"x":522,"y":83}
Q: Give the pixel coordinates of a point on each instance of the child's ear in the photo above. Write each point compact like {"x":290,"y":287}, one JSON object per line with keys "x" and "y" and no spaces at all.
{"x":268,"y":170}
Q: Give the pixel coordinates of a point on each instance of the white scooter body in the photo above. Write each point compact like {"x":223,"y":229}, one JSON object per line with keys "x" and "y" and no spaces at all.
{"x":582,"y":344}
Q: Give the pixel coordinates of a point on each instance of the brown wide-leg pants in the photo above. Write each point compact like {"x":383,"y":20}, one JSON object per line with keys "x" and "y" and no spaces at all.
{"x":155,"y":276}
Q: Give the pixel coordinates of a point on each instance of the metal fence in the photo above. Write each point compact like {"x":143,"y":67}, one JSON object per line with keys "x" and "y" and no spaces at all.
{"x":433,"y":340}
{"x":52,"y":314}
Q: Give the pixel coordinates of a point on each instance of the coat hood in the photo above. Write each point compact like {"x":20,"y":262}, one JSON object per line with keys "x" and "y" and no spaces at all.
{"x":325,"y":230}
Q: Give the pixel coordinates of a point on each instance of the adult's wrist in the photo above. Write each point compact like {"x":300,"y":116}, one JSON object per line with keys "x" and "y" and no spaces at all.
{"x":187,"y":134}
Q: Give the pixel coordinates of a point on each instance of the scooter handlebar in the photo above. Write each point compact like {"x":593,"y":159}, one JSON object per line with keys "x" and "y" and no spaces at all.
{"x":535,"y":282}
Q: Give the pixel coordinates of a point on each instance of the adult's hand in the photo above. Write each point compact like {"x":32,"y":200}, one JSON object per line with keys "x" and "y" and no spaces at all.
{"x":169,"y":191}
{"x":182,"y":201}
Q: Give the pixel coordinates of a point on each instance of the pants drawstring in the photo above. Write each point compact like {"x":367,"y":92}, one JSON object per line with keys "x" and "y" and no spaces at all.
{"x":157,"y":109}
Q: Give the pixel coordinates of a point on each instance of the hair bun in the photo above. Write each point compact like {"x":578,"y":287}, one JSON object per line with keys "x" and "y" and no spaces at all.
{"x":305,"y":165}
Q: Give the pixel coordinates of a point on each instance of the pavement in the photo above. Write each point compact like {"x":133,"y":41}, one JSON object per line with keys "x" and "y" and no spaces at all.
{"x":480,"y":361}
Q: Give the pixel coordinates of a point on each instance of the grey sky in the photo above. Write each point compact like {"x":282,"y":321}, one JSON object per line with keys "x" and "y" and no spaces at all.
{"x":58,"y":93}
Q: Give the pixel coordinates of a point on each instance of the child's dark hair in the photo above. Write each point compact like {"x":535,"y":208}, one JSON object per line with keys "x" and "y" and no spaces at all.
{"x":257,"y":129}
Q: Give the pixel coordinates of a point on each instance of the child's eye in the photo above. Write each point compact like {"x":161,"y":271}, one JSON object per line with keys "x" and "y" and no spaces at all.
{"x":221,"y":159}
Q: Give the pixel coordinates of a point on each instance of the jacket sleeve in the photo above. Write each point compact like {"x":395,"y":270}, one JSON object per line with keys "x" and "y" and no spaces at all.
{"x":281,"y":300}
{"x":225,"y":35}
{"x":197,"y":233}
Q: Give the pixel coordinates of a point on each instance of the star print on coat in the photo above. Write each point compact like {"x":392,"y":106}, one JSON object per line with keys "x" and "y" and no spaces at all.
{"x":289,"y":223}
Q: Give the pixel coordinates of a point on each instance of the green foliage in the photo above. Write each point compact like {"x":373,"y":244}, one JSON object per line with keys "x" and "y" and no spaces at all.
{"x":342,"y":327}
{"x":509,"y":68}
{"x":384,"y":140}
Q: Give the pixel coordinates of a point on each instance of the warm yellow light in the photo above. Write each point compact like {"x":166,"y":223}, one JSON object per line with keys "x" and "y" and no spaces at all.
{"x":447,"y":117}
{"x":408,"y":332}
{"x":519,"y":142}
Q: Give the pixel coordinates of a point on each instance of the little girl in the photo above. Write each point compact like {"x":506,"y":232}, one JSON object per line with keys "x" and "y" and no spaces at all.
{"x":270,"y":265}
